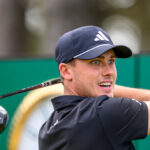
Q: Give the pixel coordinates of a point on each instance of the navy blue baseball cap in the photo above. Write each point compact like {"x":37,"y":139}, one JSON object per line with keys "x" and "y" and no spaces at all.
{"x":87,"y":42}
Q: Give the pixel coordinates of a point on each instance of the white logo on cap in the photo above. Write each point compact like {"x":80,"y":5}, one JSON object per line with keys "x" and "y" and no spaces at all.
{"x":100,"y":36}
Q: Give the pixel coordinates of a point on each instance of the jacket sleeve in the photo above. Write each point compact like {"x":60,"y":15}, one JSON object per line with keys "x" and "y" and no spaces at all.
{"x":124,"y":118}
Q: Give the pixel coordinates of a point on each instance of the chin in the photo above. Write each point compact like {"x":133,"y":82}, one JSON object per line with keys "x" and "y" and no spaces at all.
{"x":109,"y":94}
{"x":100,"y":94}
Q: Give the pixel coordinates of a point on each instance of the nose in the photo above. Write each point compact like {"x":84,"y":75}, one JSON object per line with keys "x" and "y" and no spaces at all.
{"x":108,"y":70}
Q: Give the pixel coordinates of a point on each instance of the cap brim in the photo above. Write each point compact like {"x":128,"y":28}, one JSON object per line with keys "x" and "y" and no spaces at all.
{"x":121,"y":51}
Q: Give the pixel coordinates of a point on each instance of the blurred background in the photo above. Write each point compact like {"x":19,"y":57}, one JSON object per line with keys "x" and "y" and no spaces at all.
{"x":29,"y":30}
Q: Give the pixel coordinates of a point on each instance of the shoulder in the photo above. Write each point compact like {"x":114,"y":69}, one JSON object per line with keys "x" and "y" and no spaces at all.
{"x":111,"y":102}
{"x":118,"y":107}
{"x":123,"y":116}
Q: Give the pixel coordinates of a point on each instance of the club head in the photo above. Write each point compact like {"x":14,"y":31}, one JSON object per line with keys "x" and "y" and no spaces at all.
{"x":4,"y":117}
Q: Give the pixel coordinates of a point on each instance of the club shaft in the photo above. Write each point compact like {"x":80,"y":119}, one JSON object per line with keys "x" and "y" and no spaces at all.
{"x":44,"y":84}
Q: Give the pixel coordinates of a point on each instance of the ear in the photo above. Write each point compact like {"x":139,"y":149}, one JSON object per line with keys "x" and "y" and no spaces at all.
{"x":65,"y":71}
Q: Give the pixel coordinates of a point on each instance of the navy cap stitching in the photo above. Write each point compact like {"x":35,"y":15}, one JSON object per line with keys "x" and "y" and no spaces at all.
{"x":89,"y":50}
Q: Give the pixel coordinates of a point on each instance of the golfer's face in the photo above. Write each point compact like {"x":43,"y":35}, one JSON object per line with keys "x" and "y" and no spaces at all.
{"x":96,"y":76}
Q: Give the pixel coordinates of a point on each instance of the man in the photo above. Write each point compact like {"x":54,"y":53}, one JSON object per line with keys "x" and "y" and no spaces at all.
{"x":88,"y":116}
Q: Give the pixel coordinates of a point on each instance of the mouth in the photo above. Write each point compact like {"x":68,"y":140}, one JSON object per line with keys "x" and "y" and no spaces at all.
{"x":106,"y":87}
{"x":106,"y":84}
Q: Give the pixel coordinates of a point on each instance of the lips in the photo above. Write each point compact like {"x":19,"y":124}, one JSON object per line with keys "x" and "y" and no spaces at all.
{"x":106,"y":88}
{"x":105,"y":84}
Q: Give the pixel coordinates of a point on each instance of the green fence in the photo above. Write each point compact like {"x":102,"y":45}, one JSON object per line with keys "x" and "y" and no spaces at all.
{"x":17,"y":74}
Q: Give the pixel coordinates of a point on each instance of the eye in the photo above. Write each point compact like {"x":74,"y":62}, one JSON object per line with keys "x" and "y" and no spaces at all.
{"x":112,"y":61}
{"x":96,"y":62}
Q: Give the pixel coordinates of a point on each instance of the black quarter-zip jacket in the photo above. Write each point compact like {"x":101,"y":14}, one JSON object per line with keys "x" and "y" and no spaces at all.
{"x":103,"y":123}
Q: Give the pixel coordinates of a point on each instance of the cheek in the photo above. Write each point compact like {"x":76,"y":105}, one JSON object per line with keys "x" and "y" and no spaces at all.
{"x":78,"y":77}
{"x":83,"y":78}
{"x":85,"y":75}
{"x":115,"y":73}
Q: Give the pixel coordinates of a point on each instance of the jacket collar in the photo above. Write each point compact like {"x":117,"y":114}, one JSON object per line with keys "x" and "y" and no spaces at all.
{"x":66,"y":100}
